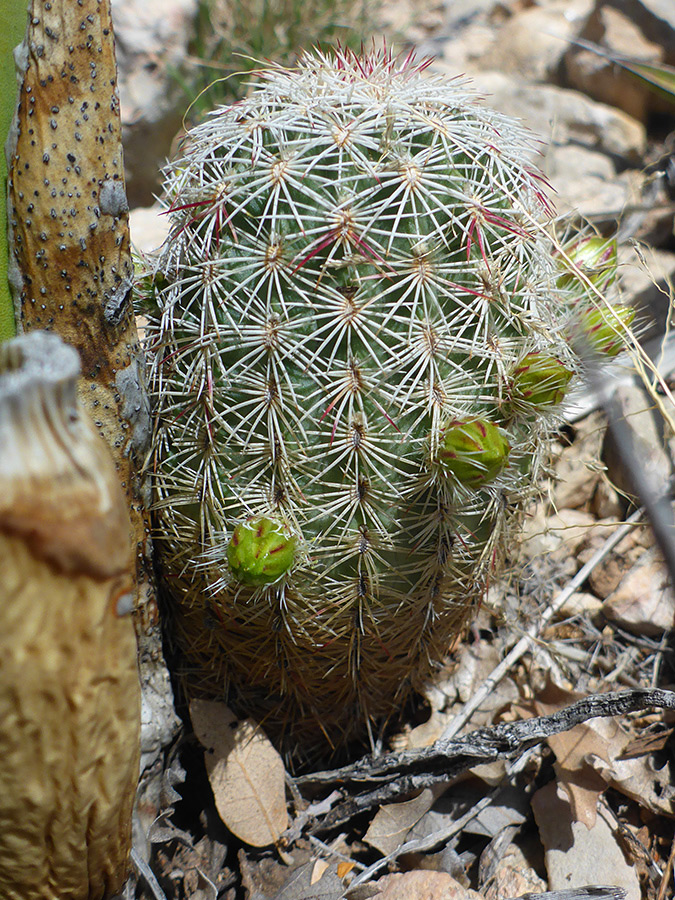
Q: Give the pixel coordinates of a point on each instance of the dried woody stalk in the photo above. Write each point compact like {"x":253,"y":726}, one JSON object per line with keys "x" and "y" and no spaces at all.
{"x":372,"y":781}
{"x":70,"y":703}
{"x":71,"y":270}
{"x":71,"y":267}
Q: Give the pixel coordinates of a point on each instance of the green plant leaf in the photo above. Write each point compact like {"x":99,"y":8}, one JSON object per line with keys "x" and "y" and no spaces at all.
{"x":12,"y":32}
{"x":658,"y":77}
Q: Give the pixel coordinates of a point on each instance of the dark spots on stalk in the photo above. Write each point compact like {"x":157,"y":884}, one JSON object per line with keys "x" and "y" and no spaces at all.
{"x":235,"y":539}
{"x":362,"y":489}
{"x":277,"y":549}
{"x":260,"y":530}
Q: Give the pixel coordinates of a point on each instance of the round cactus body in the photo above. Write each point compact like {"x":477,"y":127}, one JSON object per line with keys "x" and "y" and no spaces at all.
{"x":359,"y":260}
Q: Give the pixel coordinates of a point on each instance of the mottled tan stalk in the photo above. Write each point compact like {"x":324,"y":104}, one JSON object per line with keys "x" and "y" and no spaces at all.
{"x":72,"y":272}
{"x":71,"y":268}
{"x":70,"y":699}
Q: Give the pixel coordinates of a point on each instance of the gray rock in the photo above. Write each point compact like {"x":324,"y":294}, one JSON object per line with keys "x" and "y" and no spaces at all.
{"x":564,"y":116}
{"x":581,"y":141}
{"x":598,"y":77}
{"x":645,"y":281}
{"x":648,"y":450}
{"x":463,"y":53}
{"x":656,"y":20}
{"x":577,"y":855}
{"x":586,"y":182}
{"x":152,"y":38}
{"x":460,"y":13}
{"x":644,"y":602}
{"x":534,"y":42}
{"x":149,"y":227}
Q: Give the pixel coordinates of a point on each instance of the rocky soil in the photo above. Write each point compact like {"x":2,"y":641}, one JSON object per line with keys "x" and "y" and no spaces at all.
{"x":595,"y":805}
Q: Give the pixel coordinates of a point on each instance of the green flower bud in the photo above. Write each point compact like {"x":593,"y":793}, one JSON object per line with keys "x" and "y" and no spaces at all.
{"x":540,"y":380}
{"x":260,"y":551}
{"x":474,"y":451}
{"x":596,"y":258}
{"x":604,"y":329}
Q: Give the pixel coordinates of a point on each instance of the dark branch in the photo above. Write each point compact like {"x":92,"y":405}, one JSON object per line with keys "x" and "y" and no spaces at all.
{"x":375,"y":780}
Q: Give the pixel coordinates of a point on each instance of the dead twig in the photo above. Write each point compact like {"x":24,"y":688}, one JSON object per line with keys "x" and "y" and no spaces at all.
{"x":372,"y":781}
{"x":666,"y":880}
{"x":598,"y":892}
{"x":418,"y":845}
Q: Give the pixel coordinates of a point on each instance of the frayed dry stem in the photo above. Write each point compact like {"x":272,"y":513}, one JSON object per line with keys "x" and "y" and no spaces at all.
{"x":373,"y":781}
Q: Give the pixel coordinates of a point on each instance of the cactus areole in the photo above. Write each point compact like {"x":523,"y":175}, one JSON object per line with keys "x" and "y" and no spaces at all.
{"x":360,"y":268}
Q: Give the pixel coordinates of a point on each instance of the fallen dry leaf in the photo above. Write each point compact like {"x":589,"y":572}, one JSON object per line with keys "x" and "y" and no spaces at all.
{"x":392,"y":822}
{"x":318,"y":870}
{"x":344,"y":868}
{"x":635,"y":776}
{"x":592,"y":756}
{"x":582,"y":784}
{"x":245,"y":772}
{"x":301,"y":886}
{"x":576,"y":855}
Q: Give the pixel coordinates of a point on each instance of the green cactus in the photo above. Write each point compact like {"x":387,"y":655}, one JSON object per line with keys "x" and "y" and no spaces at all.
{"x":260,"y":551}
{"x":540,"y":380}
{"x":604,"y":329}
{"x":593,"y":257}
{"x":473,"y":451}
{"x":588,"y":270}
{"x":360,"y":258}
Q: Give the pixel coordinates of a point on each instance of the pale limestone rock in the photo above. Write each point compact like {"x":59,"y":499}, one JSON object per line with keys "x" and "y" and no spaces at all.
{"x":644,"y":281}
{"x":646,"y":446}
{"x":533,"y":42}
{"x":564,"y":116}
{"x":514,"y":877}
{"x":581,"y":603}
{"x":606,"y":577}
{"x":644,"y":602}
{"x":148,"y":227}
{"x":152,"y":38}
{"x":576,"y":855}
{"x":598,"y":77}
{"x":558,"y":535}
{"x":586,"y":181}
{"x":420,"y":883}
